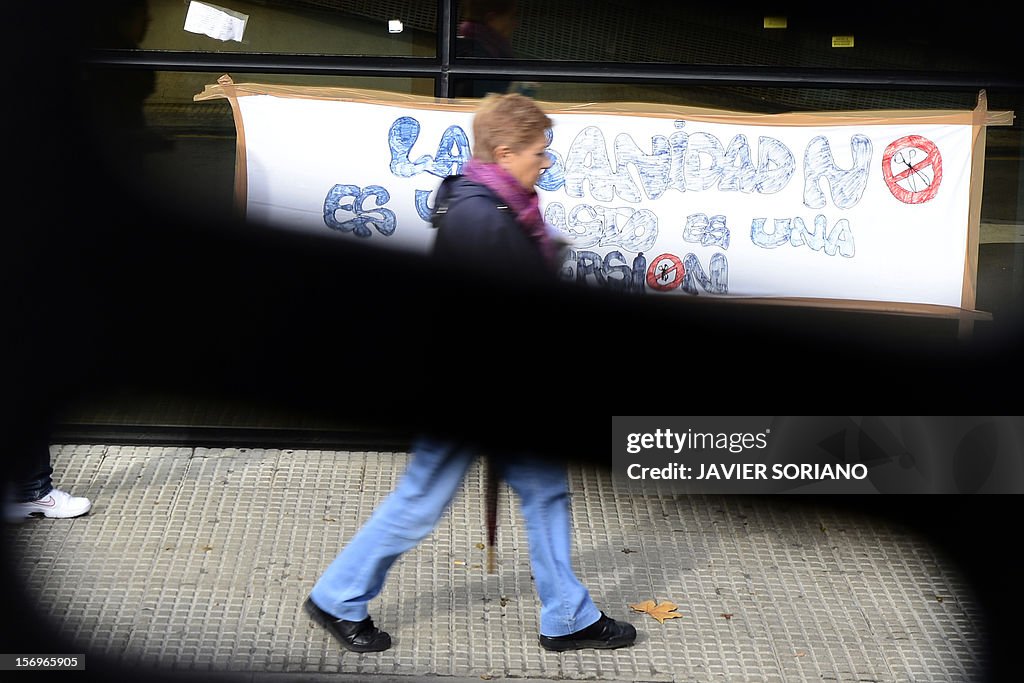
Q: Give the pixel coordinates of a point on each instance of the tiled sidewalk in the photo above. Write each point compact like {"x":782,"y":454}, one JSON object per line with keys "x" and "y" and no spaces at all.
{"x":197,"y":560}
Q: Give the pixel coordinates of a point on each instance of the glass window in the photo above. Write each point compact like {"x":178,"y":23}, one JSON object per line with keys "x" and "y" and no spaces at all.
{"x":760,"y":99}
{"x":774,"y":34}
{"x":152,"y":137}
{"x":354,"y":27}
{"x":149,"y":129}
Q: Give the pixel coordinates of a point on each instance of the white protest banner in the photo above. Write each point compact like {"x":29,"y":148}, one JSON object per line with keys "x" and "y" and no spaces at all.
{"x":866,"y":209}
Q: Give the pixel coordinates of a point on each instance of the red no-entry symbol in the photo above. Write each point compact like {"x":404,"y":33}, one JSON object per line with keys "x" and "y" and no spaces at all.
{"x":912,"y":168}
{"x":665,"y":272}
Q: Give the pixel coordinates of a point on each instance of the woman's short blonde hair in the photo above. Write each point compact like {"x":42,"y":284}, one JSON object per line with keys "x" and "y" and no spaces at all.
{"x":511,"y":119}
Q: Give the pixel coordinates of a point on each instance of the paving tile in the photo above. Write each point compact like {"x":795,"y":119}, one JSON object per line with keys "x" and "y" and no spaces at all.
{"x":199,"y":560}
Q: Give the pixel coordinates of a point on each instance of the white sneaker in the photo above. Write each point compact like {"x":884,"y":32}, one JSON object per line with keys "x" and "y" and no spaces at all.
{"x":56,"y":503}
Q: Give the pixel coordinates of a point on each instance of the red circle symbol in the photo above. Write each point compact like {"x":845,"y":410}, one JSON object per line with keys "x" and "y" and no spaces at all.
{"x":665,"y":272}
{"x":918,"y":169}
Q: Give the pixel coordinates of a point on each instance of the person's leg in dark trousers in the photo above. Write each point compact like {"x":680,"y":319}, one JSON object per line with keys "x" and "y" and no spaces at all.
{"x":32,"y":493}
{"x":32,"y":475}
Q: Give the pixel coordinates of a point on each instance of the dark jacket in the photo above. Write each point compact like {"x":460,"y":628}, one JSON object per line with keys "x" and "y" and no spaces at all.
{"x":476,"y":229}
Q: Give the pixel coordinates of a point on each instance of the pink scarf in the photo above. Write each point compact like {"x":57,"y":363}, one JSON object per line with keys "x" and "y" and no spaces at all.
{"x":524,"y":203}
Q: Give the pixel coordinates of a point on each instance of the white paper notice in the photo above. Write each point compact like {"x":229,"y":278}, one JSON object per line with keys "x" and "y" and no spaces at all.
{"x":216,"y":22}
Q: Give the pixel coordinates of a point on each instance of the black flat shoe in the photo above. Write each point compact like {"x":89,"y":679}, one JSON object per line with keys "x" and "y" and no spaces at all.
{"x":357,"y":636}
{"x":604,"y":634}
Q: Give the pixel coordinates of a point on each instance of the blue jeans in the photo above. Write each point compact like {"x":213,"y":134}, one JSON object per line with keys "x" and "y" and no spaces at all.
{"x":32,"y":475}
{"x":410,"y":513}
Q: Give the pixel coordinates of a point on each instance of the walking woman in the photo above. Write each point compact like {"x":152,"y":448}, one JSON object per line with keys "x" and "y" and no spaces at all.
{"x":489,"y":213}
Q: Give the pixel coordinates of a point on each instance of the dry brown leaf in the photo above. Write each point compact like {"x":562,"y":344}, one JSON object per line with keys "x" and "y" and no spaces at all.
{"x":660,"y":611}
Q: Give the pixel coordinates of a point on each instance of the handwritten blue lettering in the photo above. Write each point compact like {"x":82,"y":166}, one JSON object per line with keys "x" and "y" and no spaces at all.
{"x":847,"y":185}
{"x":588,"y":226}
{"x":681,"y":161}
{"x":668,"y":272}
{"x":422,"y":208}
{"x":380,"y":218}
{"x":611,"y":272}
{"x":553,"y":177}
{"x":795,"y":232}
{"x":453,"y":150}
{"x":653,"y":168}
{"x":778,"y":236}
{"x":588,"y":160}
{"x":702,"y":165}
{"x":715,"y":281}
{"x":706,"y":231}
{"x":738,"y":170}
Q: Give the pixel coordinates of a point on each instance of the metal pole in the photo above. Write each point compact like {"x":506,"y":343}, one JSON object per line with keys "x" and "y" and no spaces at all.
{"x":445,"y":29}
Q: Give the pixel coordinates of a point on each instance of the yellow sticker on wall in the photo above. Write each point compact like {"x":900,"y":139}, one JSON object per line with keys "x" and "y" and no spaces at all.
{"x":775,"y":22}
{"x":842,"y":41}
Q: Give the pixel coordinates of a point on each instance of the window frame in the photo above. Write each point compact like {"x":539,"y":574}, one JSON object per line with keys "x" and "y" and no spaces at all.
{"x":445,"y":66}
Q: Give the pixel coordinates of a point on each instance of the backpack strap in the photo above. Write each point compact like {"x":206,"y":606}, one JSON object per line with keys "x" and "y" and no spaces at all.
{"x":438,"y":213}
